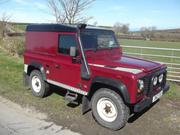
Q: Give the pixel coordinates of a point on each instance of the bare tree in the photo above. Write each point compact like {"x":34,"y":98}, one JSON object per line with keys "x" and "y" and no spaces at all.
{"x":121,"y":28}
{"x":3,"y":21}
{"x":57,"y":11}
{"x":153,"y":31}
{"x":144,"y":32}
{"x":3,"y":24}
{"x":117,"y":28}
{"x":148,"y":32}
{"x":125,"y":28}
{"x":69,"y":11}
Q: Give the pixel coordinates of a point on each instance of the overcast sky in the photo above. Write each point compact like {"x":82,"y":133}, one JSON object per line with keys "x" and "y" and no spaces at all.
{"x":164,"y":14}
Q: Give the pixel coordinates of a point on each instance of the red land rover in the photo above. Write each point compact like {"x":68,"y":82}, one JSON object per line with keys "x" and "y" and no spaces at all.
{"x":89,"y":63}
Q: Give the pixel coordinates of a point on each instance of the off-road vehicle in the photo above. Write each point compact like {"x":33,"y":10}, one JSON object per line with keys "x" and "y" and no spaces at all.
{"x":89,"y":63}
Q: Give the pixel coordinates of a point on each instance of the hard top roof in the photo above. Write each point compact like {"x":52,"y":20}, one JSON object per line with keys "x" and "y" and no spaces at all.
{"x":59,"y":28}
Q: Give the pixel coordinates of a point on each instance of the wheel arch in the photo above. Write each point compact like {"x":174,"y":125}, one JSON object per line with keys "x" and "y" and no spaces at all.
{"x":36,"y":66}
{"x":102,"y":82}
{"x":117,"y":86}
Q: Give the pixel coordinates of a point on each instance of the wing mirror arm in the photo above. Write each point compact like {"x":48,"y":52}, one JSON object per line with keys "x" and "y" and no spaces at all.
{"x":73,"y":54}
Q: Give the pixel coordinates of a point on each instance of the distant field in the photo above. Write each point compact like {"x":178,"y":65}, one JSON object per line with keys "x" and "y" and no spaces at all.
{"x":166,"y":58}
{"x":162,"y":44}
{"x":158,"y":44}
{"x":21,"y":26}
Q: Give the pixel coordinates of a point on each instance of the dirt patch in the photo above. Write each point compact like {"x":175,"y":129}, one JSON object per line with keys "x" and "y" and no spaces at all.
{"x":161,"y":119}
{"x":28,"y":110}
{"x":16,"y":120}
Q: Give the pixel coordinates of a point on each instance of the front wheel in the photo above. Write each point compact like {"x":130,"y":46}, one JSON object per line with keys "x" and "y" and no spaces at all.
{"x":109,"y":109}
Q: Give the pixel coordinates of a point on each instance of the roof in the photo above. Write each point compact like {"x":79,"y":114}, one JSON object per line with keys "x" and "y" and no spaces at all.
{"x":58,"y":28}
{"x":51,"y":28}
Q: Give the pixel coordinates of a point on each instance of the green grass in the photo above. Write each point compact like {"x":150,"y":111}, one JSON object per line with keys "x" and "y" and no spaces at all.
{"x":174,"y":91}
{"x":11,"y":84}
{"x":21,"y":27}
{"x":159,"y":44}
{"x":11,"y":87}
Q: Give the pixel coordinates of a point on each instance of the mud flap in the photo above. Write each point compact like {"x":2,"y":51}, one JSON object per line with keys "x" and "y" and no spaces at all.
{"x":25,"y":79}
{"x":85,"y":105}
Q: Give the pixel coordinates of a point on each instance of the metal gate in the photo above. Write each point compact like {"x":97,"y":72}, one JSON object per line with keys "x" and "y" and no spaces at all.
{"x":168,"y":56}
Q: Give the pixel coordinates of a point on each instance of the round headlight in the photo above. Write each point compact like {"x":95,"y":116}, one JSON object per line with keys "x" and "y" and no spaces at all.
{"x":155,"y":80}
{"x":140,"y":84}
{"x":161,"y":78}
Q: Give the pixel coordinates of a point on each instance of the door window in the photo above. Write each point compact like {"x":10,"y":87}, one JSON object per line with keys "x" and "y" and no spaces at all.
{"x":65,"y":42}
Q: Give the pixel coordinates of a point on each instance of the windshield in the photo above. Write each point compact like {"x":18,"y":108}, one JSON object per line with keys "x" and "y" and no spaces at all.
{"x":94,"y":39}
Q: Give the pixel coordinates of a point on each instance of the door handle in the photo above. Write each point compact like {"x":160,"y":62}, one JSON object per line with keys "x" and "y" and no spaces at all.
{"x":47,"y":66}
{"x":57,"y":66}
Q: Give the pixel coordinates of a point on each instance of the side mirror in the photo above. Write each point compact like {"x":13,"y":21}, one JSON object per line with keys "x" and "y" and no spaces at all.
{"x":73,"y":51}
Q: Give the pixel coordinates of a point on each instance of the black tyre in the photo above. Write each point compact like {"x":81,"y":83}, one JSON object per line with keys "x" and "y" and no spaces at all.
{"x":38,"y":86}
{"x":109,"y":109}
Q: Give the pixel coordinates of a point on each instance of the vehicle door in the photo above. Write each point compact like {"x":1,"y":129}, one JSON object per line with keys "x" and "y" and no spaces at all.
{"x":66,"y":72}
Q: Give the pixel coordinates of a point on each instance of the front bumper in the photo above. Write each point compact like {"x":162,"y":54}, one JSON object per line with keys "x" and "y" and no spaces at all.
{"x":146,"y":102}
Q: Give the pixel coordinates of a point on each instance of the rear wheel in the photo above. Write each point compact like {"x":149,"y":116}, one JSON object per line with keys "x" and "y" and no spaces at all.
{"x":38,"y":86}
{"x":109,"y":109}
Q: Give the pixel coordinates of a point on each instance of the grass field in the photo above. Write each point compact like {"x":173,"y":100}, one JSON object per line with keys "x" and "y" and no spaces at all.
{"x":21,"y":27}
{"x":11,"y":64}
{"x":158,"y":44}
{"x":11,"y":83}
{"x":11,"y":87}
{"x":161,"y":44}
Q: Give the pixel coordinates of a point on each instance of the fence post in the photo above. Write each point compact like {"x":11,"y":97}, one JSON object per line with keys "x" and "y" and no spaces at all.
{"x":141,"y":53}
{"x":172,"y":54}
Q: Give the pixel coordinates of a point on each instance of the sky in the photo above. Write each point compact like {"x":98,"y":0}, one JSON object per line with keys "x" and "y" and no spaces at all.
{"x":164,"y":14}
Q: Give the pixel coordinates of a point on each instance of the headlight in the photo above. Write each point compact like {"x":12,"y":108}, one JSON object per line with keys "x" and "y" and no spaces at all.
{"x":140,"y":86}
{"x":161,"y":78}
{"x":155,"y":80}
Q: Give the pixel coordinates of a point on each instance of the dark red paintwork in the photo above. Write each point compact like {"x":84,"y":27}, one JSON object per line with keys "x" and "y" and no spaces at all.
{"x":42,"y":47}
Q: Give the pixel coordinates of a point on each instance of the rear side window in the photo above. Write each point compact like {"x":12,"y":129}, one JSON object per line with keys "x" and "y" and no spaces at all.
{"x":65,"y":42}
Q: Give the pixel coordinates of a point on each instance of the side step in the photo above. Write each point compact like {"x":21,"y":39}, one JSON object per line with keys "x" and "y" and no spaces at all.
{"x":71,"y":97}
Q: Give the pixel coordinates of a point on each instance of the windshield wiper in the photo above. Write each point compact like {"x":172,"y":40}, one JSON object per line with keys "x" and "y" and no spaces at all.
{"x":96,"y":48}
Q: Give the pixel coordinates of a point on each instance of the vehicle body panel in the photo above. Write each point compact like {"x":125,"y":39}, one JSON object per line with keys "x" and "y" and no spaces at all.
{"x":41,"y":47}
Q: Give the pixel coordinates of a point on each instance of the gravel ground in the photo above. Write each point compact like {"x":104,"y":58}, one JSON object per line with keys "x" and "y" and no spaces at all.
{"x":15,"y":120}
{"x":161,"y":119}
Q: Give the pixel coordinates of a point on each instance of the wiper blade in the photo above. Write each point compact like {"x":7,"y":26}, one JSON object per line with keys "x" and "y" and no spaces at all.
{"x":96,"y":48}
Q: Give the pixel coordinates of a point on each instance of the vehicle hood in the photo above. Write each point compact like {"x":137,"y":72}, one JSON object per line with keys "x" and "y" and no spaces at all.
{"x":127,"y":64}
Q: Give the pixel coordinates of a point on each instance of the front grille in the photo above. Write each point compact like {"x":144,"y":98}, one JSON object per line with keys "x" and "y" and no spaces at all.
{"x":148,"y":82}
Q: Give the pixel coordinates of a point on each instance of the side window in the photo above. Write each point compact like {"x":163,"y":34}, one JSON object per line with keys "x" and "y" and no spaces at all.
{"x":65,"y":42}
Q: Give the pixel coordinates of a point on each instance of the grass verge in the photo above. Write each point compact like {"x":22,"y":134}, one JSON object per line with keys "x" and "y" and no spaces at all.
{"x":11,"y":87}
{"x":144,"y":43}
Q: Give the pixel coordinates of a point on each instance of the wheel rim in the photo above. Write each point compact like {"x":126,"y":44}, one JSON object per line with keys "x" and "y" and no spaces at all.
{"x":107,"y":110}
{"x":36,"y":84}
